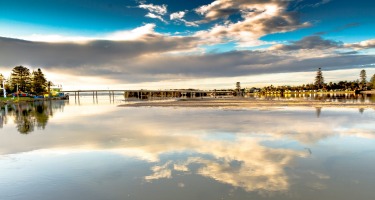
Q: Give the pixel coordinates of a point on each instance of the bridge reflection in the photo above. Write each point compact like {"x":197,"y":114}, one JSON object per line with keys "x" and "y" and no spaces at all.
{"x":151,"y":94}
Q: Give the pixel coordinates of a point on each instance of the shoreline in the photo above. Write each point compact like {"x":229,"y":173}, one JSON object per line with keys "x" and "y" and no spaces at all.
{"x":23,"y":100}
{"x":368,"y":92}
{"x":248,"y":103}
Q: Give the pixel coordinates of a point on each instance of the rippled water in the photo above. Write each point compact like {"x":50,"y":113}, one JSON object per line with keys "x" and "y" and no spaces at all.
{"x":96,"y":150}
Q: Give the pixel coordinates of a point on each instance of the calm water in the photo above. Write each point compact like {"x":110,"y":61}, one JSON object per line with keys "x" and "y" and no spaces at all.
{"x":96,"y":150}
{"x":345,"y":98}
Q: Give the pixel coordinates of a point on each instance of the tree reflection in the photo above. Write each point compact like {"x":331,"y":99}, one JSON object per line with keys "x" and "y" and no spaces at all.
{"x":318,"y":111}
{"x":25,"y":122}
{"x":29,"y":116}
{"x":42,"y":116}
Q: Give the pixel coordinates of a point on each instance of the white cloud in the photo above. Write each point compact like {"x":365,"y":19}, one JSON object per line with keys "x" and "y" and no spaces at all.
{"x":206,"y":8}
{"x":155,"y":11}
{"x":367,"y":44}
{"x":322,"y":3}
{"x":302,"y":4}
{"x":124,"y":35}
{"x":56,"y":38}
{"x":160,"y":10}
{"x":152,"y":15}
{"x":259,"y":18}
{"x":177,"y":15}
{"x":134,"y":34}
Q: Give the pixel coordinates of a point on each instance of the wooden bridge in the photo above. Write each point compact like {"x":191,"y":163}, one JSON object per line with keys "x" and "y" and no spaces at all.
{"x":149,"y":94}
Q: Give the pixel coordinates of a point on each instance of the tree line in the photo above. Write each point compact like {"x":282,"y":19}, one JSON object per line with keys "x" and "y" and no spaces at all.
{"x":36,"y":83}
{"x":359,"y":84}
{"x":26,"y":81}
{"x":320,"y":85}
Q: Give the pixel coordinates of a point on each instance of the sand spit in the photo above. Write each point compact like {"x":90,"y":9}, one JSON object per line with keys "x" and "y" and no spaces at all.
{"x":250,"y":103}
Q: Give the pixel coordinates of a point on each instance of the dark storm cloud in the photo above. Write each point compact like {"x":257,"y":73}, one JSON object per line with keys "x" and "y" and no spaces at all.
{"x":96,"y":53}
{"x":309,"y":42}
{"x":348,"y":53}
{"x":247,"y":62}
{"x":139,"y":61}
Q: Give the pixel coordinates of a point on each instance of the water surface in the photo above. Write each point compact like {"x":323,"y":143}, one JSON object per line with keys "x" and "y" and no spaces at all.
{"x":96,"y":150}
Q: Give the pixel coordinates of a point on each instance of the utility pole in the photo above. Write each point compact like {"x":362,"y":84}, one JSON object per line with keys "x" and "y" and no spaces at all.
{"x":18,"y":94}
{"x":49,"y":89}
{"x":4,"y":91}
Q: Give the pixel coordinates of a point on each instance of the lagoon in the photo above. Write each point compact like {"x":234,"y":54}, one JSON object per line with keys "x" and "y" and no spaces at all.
{"x":97,"y":150}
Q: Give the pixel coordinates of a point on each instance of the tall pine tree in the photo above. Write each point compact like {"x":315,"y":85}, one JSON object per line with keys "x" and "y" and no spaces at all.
{"x":372,"y":82}
{"x":363,"y":77}
{"x":39,"y":82}
{"x":2,"y":87}
{"x":21,"y":76}
{"x":319,"y":80}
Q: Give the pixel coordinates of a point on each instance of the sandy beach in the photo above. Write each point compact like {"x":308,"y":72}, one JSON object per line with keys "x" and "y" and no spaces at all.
{"x":249,"y":103}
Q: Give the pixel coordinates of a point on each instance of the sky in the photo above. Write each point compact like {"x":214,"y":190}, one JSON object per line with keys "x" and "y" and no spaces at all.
{"x":205,"y":44}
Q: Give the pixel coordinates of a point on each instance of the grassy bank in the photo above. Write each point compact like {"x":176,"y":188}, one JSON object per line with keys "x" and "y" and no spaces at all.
{"x":10,"y":100}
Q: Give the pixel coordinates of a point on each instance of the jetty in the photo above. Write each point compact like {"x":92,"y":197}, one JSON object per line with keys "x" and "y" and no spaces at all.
{"x":149,"y":94}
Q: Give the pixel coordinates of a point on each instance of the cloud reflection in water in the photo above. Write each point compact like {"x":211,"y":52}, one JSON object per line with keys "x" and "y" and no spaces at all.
{"x":242,"y":148}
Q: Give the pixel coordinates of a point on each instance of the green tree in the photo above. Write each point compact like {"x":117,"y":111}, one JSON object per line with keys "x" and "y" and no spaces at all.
{"x":319,"y":80}
{"x":372,"y":82}
{"x":39,"y":82}
{"x":2,"y":87}
{"x":1,"y":80}
{"x":21,"y":76}
{"x":363,"y":77}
